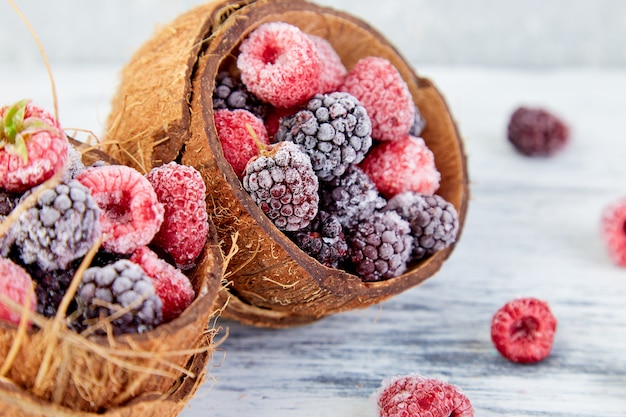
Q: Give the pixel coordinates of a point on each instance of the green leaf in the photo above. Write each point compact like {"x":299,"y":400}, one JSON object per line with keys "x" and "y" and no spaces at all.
{"x":14,"y":120}
{"x":19,"y":148}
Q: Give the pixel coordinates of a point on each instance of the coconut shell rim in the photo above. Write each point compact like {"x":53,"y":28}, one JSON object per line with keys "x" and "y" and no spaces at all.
{"x":318,"y":271}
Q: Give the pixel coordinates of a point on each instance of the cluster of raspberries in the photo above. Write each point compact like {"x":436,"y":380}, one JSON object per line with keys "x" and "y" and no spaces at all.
{"x":334,"y":157}
{"x":54,"y":210}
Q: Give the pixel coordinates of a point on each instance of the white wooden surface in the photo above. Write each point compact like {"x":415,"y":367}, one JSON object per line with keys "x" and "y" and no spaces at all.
{"x":531,"y":230}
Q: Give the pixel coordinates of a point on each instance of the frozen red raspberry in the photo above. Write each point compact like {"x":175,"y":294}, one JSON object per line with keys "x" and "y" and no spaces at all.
{"x":402,"y":165}
{"x":417,"y":396}
{"x":33,"y":147}
{"x":171,"y":285}
{"x":183,"y":233}
{"x":537,"y":132}
{"x":523,"y":330}
{"x":130,"y":213}
{"x":274,"y":115}
{"x":333,"y":72}
{"x":279,"y":64}
{"x":237,"y":143}
{"x":613,"y":229}
{"x":17,"y":285}
{"x":378,"y":85}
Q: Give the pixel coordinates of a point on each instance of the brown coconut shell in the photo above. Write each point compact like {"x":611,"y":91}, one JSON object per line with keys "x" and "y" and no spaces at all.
{"x":163,"y":108}
{"x":94,"y":373}
{"x":16,"y":402}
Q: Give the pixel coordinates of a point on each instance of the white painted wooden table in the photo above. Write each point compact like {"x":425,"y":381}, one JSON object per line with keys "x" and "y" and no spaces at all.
{"x":531,"y":230}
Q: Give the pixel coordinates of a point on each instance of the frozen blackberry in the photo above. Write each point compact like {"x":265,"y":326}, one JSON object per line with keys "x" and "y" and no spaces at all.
{"x":434,"y":221}
{"x":124,"y":285}
{"x":230,"y":93}
{"x":282,"y":183}
{"x":8,"y":201}
{"x":418,"y":125}
{"x":59,"y":228}
{"x":380,"y":246}
{"x":51,"y":288}
{"x":351,"y":197}
{"x":537,"y":132}
{"x":334,"y":130}
{"x":323,"y":240}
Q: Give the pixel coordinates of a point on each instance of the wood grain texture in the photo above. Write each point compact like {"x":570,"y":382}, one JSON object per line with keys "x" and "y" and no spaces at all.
{"x":531,"y":230}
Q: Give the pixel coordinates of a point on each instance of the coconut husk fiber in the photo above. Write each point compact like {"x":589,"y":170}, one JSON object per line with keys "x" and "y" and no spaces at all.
{"x":48,"y":364}
{"x":163,"y":111}
{"x":17,"y":402}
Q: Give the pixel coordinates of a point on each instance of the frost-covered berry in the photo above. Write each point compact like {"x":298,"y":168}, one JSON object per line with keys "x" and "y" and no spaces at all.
{"x":418,"y":396}
{"x":279,"y":64}
{"x":130,"y":212}
{"x":33,"y":146}
{"x":378,"y":85}
{"x":537,"y":132}
{"x":323,"y":240}
{"x":61,"y":227}
{"x":16,"y":285}
{"x":380,"y":247}
{"x":238,"y":144}
{"x":124,"y":289}
{"x":231,"y":94}
{"x":74,"y":164}
{"x":418,"y":125}
{"x":171,"y":285}
{"x":613,"y":231}
{"x":183,"y":233}
{"x":8,"y":201}
{"x":434,"y":221}
{"x":523,"y":330}
{"x":283,"y":184}
{"x":351,"y":197}
{"x":402,"y":165}
{"x":51,"y":288}
{"x":333,"y":72}
{"x":334,"y":130}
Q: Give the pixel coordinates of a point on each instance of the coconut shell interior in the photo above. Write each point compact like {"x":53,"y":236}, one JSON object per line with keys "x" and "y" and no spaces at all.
{"x":270,"y":281}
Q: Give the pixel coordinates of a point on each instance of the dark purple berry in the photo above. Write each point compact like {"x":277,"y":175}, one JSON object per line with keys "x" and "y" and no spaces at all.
{"x":434,"y":221}
{"x":334,"y":130}
{"x":536,"y":132}
{"x":380,"y":247}
{"x":323,"y":240}
{"x":282,"y":183}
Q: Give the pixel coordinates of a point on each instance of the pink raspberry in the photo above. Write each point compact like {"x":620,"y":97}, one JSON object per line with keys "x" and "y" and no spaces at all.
{"x":537,"y":132}
{"x":417,"y":396}
{"x":171,"y":285}
{"x":237,"y":143}
{"x":15,"y":284}
{"x":523,"y":330}
{"x":181,"y":190}
{"x":378,"y":85}
{"x":333,"y":71}
{"x":130,"y":213}
{"x":279,"y":64}
{"x":402,"y":165}
{"x":33,"y":147}
{"x":613,"y":229}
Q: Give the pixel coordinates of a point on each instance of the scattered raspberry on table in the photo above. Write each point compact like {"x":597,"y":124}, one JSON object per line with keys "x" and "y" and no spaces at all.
{"x":613,"y":230}
{"x":523,"y":330}
{"x":418,"y":396}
